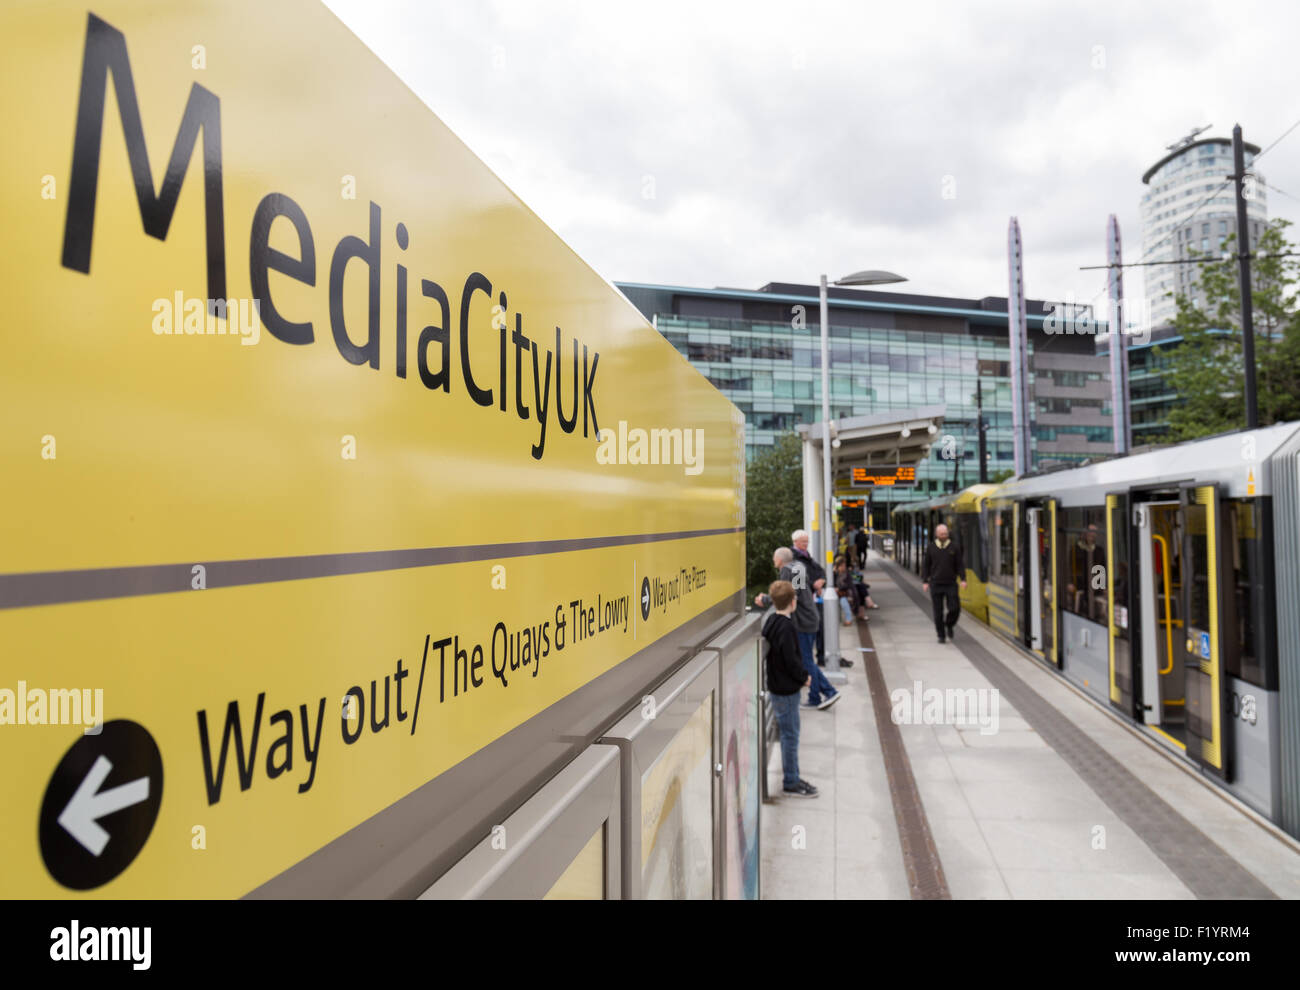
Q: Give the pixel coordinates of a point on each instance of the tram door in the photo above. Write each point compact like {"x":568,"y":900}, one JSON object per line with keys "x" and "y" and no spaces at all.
{"x":1040,"y":581}
{"x":1116,"y":585}
{"x":1034,"y":579}
{"x":1160,"y":583}
{"x":1200,"y":649}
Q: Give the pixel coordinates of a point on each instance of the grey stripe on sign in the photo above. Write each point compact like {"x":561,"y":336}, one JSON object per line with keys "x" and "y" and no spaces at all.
{"x":1196,"y":859}
{"x":61,"y":587}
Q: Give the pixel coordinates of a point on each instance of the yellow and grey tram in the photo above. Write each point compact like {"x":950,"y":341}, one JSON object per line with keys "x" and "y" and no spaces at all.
{"x":1165,"y":585}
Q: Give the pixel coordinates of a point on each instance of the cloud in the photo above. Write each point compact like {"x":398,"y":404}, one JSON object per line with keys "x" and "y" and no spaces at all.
{"x":740,"y":143}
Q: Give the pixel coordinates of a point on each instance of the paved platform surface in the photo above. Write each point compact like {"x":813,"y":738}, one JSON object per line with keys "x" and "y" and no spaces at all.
{"x":1060,"y":800}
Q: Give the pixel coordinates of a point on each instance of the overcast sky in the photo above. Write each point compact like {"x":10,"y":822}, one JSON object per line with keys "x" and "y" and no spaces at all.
{"x":729,"y":143}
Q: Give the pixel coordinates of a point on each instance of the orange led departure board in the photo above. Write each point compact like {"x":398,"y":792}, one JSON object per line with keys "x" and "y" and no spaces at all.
{"x":871,"y":477}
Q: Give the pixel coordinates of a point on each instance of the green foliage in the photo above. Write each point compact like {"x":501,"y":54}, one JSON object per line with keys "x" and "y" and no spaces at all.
{"x":773,"y":506}
{"x":1206,"y":369}
{"x":997,"y":477}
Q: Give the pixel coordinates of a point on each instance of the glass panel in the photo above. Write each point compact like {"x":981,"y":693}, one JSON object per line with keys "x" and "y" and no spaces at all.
{"x":1044,"y":538}
{"x":1123,"y":649}
{"x":807,"y":357}
{"x":584,"y":878}
{"x":1248,"y":640}
{"x":1198,"y":613}
{"x":740,"y":782}
{"x":677,"y":814}
{"x":1004,"y":558}
{"x":1083,"y":562}
{"x":968,"y":527}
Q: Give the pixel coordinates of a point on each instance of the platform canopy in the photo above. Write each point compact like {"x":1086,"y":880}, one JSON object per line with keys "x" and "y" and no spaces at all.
{"x":896,"y":438}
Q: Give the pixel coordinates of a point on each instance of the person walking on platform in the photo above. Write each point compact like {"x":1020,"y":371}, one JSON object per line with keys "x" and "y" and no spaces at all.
{"x":805,"y":624}
{"x":942,"y":570}
{"x":785,"y":677}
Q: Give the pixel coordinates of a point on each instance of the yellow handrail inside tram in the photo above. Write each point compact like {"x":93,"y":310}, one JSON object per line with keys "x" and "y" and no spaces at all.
{"x":1169,"y":619}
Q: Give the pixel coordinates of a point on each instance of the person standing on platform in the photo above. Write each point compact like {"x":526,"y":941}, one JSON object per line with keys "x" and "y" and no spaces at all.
{"x":817,"y":574}
{"x":942,"y":570}
{"x":820,"y":693}
{"x":851,"y":546}
{"x":860,"y":541}
{"x":785,"y":677}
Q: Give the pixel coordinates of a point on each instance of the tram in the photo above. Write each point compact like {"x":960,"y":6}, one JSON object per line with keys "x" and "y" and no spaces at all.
{"x":1164,"y":584}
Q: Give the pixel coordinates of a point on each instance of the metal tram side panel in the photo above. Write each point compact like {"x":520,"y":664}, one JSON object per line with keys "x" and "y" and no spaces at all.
{"x":1283,"y":480}
{"x":277,"y":368}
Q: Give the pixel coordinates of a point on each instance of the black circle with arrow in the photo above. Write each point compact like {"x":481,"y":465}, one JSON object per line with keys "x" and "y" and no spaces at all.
{"x":100,"y":805}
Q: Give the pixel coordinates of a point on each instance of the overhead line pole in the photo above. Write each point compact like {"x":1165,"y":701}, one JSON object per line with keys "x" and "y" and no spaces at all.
{"x":1247,"y":304}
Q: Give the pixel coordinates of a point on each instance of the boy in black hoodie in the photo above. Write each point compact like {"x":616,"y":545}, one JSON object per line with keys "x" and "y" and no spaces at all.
{"x":786,"y":676}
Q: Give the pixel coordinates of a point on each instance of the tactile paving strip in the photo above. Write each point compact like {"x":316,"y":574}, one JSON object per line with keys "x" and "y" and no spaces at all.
{"x":1196,"y":859}
{"x":924,"y":871}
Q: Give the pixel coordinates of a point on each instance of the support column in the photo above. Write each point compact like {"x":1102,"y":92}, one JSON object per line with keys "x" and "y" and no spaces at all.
{"x":812,"y":491}
{"x":1017,"y":327}
{"x":1119,"y":395}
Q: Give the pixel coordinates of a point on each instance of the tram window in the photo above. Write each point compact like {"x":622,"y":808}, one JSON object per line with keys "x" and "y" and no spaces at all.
{"x":968,"y":528}
{"x":1003,"y":546}
{"x":1197,"y":571}
{"x":1083,"y":564}
{"x":1250,"y":652}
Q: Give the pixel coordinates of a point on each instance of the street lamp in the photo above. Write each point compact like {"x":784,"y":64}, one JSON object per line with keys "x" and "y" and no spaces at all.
{"x":830,"y":603}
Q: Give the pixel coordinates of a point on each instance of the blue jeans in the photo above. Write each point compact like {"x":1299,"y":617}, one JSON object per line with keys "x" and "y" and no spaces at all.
{"x":820,"y":685}
{"x":786,"y":708}
{"x":846,"y":609}
{"x":821,"y":630}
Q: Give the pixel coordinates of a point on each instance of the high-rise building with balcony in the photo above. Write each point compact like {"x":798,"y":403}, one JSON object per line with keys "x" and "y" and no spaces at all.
{"x":1193,"y":171}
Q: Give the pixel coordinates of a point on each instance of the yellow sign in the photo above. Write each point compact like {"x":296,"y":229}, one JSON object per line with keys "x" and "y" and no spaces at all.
{"x":280,"y":357}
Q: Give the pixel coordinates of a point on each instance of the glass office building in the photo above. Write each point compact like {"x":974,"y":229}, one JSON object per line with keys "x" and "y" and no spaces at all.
{"x":889,"y":351}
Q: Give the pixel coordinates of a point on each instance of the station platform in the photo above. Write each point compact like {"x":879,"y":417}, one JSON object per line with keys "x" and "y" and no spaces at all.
{"x":1038,"y":793}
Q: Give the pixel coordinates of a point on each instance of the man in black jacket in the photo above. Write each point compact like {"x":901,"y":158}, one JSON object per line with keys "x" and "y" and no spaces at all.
{"x":806,"y":618}
{"x":942,"y":570}
{"x":785,"y":677}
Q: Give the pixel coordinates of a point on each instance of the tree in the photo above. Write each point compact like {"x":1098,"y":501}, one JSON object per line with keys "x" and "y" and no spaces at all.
{"x":773,"y":506}
{"x":1206,"y":368}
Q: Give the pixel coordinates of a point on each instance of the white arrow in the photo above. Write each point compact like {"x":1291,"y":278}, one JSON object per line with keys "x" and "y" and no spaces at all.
{"x":89,"y":804}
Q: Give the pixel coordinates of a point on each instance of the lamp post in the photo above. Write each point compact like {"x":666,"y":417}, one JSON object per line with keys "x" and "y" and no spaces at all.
{"x":825,"y":545}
